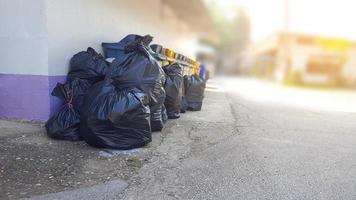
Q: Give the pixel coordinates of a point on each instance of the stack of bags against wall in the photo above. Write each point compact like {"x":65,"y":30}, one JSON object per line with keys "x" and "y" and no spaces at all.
{"x":118,"y":104}
{"x":86,"y":68}
{"x":182,"y":93}
{"x":116,"y":111}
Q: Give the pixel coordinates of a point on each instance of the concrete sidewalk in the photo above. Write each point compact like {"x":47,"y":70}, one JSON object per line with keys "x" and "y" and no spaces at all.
{"x":33,"y":164}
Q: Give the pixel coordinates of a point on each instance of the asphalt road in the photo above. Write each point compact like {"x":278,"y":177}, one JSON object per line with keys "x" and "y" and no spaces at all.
{"x":252,"y":140}
{"x":256,"y":140}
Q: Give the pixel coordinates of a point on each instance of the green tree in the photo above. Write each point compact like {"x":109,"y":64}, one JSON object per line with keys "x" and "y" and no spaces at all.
{"x":234,"y":35}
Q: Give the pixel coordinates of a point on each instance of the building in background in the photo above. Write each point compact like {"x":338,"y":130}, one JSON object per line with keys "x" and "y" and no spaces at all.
{"x":39,"y":37}
{"x":303,"y":58}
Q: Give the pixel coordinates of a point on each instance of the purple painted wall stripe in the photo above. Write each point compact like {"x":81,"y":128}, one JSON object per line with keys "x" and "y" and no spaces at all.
{"x":28,"y":96}
{"x":54,"y":102}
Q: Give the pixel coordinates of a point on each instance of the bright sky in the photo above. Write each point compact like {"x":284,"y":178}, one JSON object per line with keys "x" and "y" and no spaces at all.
{"x":325,"y":17}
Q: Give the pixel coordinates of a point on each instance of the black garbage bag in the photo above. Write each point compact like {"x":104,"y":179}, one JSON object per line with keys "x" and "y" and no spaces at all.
{"x":158,"y":111}
{"x":76,"y":87}
{"x":64,"y":124}
{"x":88,"y":65}
{"x":117,"y":49}
{"x":164,"y":114}
{"x":139,"y":69}
{"x":173,"y":87}
{"x":155,"y":50}
{"x":157,"y":121}
{"x":184,"y":103}
{"x":115,"y":117}
{"x":194,"y":92}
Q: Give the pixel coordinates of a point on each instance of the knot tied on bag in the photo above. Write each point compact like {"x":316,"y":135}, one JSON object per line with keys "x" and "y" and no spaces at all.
{"x":139,"y":45}
{"x":70,"y":100}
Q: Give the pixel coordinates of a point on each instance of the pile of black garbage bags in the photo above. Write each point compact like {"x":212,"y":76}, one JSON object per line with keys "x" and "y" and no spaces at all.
{"x":118,"y":104}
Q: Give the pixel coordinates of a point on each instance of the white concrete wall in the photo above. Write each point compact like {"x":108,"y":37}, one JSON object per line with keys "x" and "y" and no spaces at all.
{"x":76,"y":24}
{"x":38,"y":37}
{"x":23,"y":37}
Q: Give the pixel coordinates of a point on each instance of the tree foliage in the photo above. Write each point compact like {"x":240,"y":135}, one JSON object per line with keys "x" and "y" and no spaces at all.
{"x":234,"y":32}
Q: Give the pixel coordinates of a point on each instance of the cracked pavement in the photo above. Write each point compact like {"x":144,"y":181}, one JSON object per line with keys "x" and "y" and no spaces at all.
{"x":240,"y":147}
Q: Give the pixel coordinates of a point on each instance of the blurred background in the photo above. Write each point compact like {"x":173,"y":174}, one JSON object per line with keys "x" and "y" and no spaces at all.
{"x":289,"y":41}
{"x":298,"y":52}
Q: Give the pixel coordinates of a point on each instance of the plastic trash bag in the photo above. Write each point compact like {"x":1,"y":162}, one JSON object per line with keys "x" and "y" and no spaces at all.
{"x":164,"y":114}
{"x":155,"y":50}
{"x":64,"y":124}
{"x":194,"y":92}
{"x":137,"y":68}
{"x":184,"y":103}
{"x":115,"y":117}
{"x":157,"y":121}
{"x":88,"y":65}
{"x":117,"y":49}
{"x":158,"y":112}
{"x":173,"y":87}
{"x":78,"y":88}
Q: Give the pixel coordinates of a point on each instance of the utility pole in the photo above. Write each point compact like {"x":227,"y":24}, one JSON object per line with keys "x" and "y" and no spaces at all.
{"x":286,"y":15}
{"x":286,"y":37}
